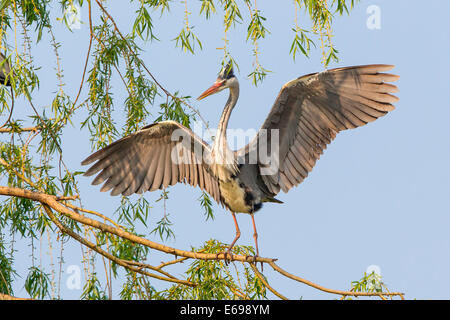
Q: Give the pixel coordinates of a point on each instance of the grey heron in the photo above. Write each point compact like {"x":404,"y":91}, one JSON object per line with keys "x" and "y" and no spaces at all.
{"x":306,"y":116}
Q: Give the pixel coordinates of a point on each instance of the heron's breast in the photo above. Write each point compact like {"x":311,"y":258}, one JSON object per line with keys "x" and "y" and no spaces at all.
{"x":234,"y":194}
{"x":239,"y":197}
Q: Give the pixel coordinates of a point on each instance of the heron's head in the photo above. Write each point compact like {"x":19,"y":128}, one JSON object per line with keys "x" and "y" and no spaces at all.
{"x":225,"y":79}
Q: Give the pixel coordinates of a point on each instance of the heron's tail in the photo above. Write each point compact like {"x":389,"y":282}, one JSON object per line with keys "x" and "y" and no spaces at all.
{"x":271,"y":199}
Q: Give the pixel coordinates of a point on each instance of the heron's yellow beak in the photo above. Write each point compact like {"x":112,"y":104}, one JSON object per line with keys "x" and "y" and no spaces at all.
{"x":211,"y":90}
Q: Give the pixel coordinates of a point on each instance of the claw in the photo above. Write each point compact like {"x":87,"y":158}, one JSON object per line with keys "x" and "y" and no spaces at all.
{"x":254,"y":261}
{"x":228,"y":253}
{"x":228,"y":256}
{"x":247,"y":257}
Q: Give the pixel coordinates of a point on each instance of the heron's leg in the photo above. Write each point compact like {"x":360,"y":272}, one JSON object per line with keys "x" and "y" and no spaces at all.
{"x":238,"y":234}
{"x":255,"y":236}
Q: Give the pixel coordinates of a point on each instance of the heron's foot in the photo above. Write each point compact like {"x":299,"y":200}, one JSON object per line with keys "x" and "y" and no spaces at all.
{"x":253,"y":259}
{"x":228,"y":256}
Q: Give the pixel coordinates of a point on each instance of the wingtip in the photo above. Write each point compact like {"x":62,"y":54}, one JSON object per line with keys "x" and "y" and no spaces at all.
{"x":87,"y":174}
{"x":390,"y":66}
{"x":89,"y":160}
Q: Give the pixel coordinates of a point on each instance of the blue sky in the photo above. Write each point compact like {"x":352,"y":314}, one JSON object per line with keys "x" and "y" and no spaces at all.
{"x":379,"y":195}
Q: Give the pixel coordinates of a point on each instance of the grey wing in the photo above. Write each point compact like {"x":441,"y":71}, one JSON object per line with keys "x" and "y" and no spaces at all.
{"x":155,"y":157}
{"x":311,"y":110}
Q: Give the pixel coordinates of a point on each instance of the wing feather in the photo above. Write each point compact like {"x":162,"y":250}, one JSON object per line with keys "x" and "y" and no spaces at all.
{"x":311,"y":110}
{"x":149,"y":160}
{"x":167,"y":167}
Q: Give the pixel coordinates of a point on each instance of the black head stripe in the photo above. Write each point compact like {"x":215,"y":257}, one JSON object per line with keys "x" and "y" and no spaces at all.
{"x":227,"y":72}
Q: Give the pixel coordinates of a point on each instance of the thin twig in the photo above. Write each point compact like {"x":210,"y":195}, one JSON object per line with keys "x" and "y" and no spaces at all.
{"x":75,"y":208}
{"x":27,"y":129}
{"x":75,"y":197}
{"x":165,"y":264}
{"x":144,"y":265}
{"x":339,"y":292}
{"x":146,"y":69}
{"x":91,"y":33}
{"x":92,"y":246}
{"x":261,"y":277}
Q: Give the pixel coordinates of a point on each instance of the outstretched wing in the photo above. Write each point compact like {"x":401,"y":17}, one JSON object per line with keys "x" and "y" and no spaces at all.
{"x":154,"y":157}
{"x":311,"y":110}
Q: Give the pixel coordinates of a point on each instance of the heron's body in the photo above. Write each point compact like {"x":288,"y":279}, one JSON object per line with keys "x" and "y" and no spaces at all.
{"x":306,"y":116}
{"x":236,"y":195}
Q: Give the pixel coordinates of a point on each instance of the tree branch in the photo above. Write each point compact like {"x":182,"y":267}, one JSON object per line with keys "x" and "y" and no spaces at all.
{"x":261,"y":277}
{"x":92,"y":246}
{"x":51,"y":202}
{"x":8,"y":297}
{"x":27,"y":129}
{"x":338,"y":292}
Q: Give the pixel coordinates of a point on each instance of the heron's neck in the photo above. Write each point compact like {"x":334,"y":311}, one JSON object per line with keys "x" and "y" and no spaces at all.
{"x":220,"y":143}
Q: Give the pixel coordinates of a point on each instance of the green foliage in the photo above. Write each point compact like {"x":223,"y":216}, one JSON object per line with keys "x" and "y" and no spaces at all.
{"x":137,"y":287}
{"x":37,"y":283}
{"x":217,"y":280}
{"x":187,"y":40}
{"x":92,"y":289}
{"x":232,"y":13}
{"x":368,"y":283}
{"x":206,"y":203}
{"x":126,"y":250}
{"x":7,"y":272}
{"x":129,"y":212}
{"x":207,"y":7}
{"x":301,"y":42}
{"x":143,"y":25}
{"x":321,"y":17}
{"x":256,"y":29}
{"x":258,"y":74}
{"x":69,"y":8}
{"x":173,"y":110}
{"x":36,"y":13}
{"x":163,"y":228}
